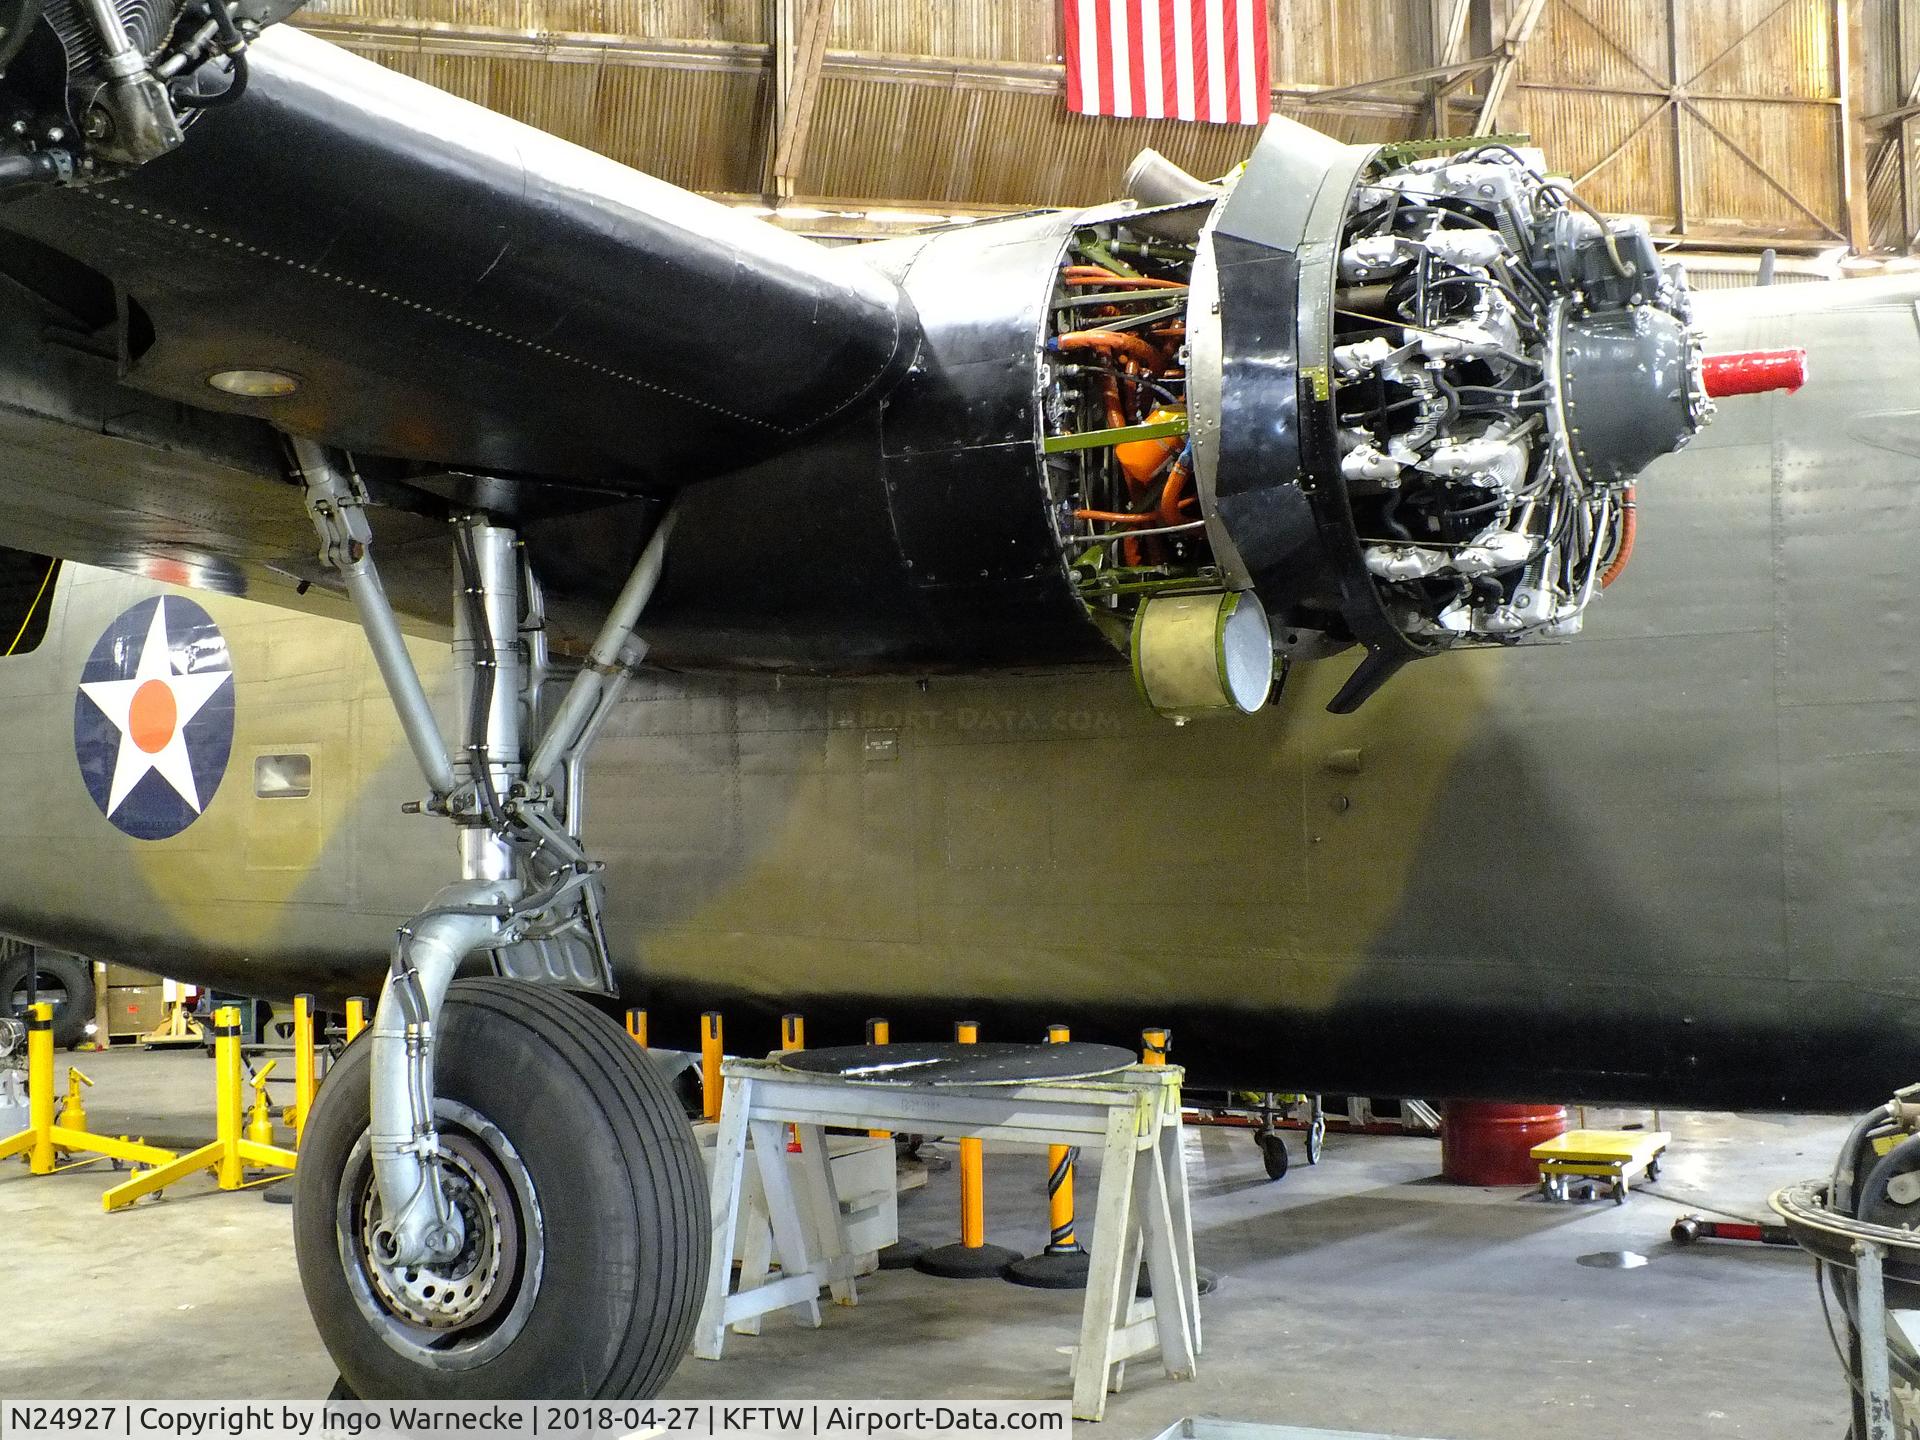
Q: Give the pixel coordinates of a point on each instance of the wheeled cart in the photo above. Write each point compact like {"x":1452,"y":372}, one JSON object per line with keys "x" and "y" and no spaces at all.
{"x":1578,"y":1163}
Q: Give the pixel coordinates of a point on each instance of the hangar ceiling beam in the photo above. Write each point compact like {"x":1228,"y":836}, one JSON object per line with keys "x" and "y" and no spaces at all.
{"x":1887,"y":135}
{"x":1454,"y":70}
{"x":800,"y":53}
{"x":1676,"y":48}
{"x":1526,"y":17}
{"x":1447,"y":20}
{"x":1849,"y":68}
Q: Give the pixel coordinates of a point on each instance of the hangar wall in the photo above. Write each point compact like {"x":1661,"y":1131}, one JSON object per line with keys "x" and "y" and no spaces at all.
{"x":1730,"y":124}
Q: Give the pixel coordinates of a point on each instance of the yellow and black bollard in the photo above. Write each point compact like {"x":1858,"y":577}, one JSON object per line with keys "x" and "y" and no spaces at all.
{"x":1063,"y":1264}
{"x":45,"y":1139}
{"x":229,"y":1152}
{"x":637,"y":1027}
{"x":1154,"y":1044}
{"x":879,"y":1032}
{"x":971,"y":1258}
{"x":356,"y":1018}
{"x":710,"y":1057}
{"x":793,"y":1036}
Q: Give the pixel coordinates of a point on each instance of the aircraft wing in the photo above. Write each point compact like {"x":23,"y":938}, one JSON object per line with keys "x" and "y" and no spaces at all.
{"x":450,"y":293}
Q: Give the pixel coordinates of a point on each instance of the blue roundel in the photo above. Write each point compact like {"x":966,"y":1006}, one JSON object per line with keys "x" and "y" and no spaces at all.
{"x":153,"y":718}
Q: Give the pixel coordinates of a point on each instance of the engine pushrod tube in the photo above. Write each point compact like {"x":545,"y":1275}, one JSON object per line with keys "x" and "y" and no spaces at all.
{"x":122,"y":57}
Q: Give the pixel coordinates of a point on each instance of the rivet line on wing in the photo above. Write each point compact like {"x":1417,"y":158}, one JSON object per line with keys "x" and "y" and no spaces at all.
{"x":461,"y":320}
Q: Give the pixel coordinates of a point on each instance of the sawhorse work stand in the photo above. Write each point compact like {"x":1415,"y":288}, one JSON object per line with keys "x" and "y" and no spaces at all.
{"x":1132,"y":1117}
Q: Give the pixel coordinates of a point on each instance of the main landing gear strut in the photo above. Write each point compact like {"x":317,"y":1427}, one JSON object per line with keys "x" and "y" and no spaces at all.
{"x":498,"y":1195}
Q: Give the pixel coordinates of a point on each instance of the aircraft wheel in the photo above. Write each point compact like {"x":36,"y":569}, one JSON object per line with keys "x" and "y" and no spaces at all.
{"x":65,"y":982}
{"x":582,"y":1197}
{"x":1273,"y":1153}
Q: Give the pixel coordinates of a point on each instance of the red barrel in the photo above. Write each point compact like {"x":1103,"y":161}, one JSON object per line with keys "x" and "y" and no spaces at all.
{"x":1482,"y":1143}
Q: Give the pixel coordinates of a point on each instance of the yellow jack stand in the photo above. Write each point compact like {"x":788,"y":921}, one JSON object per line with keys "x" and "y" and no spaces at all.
{"x":179,"y":1028}
{"x":44,"y":1138}
{"x":229,"y":1152}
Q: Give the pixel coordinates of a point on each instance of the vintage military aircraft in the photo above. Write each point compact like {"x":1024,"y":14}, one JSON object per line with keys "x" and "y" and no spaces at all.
{"x":895,"y":524}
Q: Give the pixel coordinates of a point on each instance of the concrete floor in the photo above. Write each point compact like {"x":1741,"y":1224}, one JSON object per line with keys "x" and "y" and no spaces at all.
{"x":1362,"y":1294}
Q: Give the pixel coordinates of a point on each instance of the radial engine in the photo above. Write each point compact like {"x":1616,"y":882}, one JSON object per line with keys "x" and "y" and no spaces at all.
{"x":1381,"y":397}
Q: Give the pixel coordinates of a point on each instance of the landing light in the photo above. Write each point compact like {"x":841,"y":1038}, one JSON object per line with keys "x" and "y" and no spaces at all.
{"x":254,"y":384}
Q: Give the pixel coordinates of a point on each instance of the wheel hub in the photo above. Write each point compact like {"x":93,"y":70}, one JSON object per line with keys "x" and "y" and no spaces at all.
{"x":468,"y":1289}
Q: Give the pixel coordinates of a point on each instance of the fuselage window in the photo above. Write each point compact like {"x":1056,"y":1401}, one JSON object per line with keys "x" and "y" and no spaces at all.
{"x":283,"y":777}
{"x":26,"y":600}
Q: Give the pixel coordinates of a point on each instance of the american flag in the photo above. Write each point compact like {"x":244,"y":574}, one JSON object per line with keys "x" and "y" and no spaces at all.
{"x":1190,"y":59}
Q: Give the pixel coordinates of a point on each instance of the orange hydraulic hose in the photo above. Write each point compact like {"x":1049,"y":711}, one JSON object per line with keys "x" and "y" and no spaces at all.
{"x":1099,"y":275}
{"x":1177,"y":478}
{"x":1113,"y":342}
{"x":1115,"y":517}
{"x":1116,"y":412}
{"x":1628,"y":524}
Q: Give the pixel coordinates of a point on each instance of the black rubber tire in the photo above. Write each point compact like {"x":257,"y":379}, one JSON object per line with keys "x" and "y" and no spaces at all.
{"x":616,"y":1173}
{"x":71,"y":1015}
{"x":1273,"y":1155}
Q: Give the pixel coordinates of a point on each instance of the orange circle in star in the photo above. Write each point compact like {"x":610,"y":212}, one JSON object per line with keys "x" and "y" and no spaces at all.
{"x":151,"y":718}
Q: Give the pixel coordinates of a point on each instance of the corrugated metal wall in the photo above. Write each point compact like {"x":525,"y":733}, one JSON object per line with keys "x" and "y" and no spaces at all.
{"x":1719,"y":117}
{"x":1753,"y":141}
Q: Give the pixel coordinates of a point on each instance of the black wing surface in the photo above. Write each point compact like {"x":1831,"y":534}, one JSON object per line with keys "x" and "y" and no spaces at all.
{"x":462,"y":301}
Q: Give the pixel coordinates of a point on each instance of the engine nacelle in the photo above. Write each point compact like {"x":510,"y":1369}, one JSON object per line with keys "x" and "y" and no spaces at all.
{"x":1378,"y":396}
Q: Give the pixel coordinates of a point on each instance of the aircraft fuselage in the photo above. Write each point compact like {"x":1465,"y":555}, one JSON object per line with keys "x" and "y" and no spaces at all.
{"x":1670,"y":861}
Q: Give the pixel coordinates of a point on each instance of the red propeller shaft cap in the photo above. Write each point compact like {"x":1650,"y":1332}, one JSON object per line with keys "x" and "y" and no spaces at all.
{"x":1754,"y":372}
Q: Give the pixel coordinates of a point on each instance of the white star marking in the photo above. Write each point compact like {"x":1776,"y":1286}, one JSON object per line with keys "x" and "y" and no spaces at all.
{"x":190,"y":693}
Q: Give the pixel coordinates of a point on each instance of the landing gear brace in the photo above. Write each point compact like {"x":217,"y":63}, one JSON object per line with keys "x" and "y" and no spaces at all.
{"x":433,"y":1214}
